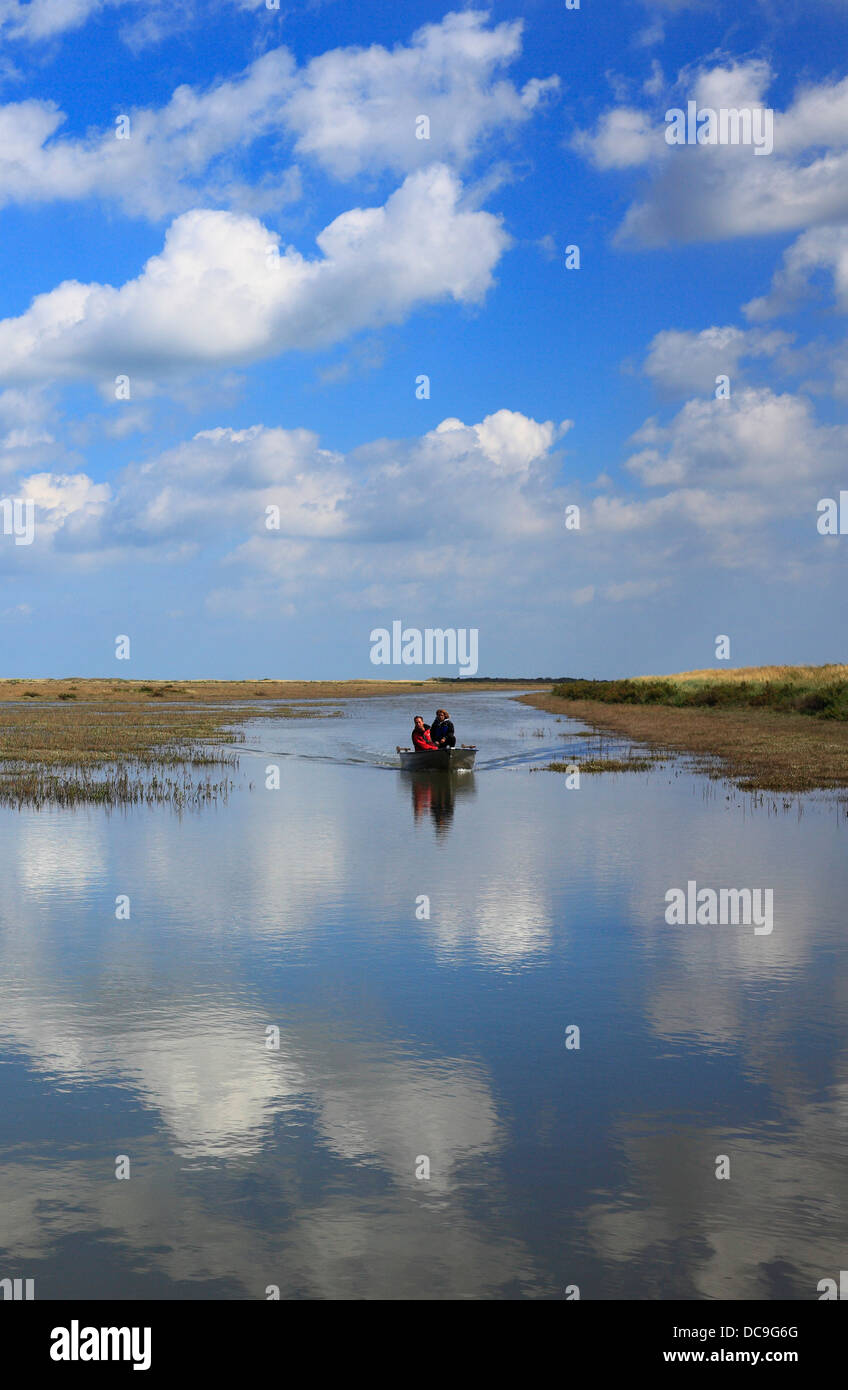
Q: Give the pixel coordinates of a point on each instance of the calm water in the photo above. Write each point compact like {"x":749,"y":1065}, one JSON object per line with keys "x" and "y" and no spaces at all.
{"x":403,"y":1039}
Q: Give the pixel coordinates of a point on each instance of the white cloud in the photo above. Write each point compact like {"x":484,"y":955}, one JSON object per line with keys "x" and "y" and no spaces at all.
{"x":26,"y":438}
{"x":349,"y":110}
{"x":756,"y":439}
{"x":127,"y":422}
{"x":23,"y":409}
{"x":710,"y":192}
{"x":497,"y":474}
{"x":654,"y":84}
{"x":66,"y":505}
{"x":653,"y":33}
{"x":817,"y":118}
{"x":680,"y":363}
{"x":164,"y":164}
{"x":215,"y":296}
{"x":821,"y":249}
{"x":358,"y":529}
{"x":38,"y":20}
{"x":189,"y":490}
{"x":354,"y":109}
{"x":509,"y":440}
{"x":368,"y":529}
{"x":624,"y":137}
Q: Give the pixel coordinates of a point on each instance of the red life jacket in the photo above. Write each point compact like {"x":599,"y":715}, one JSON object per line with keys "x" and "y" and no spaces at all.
{"x":421,"y":738}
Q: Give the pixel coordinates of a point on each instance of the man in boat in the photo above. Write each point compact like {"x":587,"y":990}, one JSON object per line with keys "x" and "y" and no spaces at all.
{"x":421,"y":735}
{"x":442,"y":730}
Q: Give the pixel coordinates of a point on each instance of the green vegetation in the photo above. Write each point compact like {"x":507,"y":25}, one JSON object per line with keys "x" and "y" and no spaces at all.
{"x":123,"y":754}
{"x":594,"y":765}
{"x":821,"y":691}
{"x":767,"y":728}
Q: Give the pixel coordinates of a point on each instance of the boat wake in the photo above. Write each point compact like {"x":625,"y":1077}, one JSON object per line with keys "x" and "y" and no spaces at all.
{"x":390,"y":761}
{"x":558,"y":753}
{"x":360,"y":759}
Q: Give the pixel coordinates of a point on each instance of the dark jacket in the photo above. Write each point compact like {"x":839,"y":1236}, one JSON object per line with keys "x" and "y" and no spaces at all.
{"x":443,"y":729}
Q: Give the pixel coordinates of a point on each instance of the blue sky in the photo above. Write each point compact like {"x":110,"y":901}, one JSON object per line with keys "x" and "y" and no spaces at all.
{"x":271,"y":259}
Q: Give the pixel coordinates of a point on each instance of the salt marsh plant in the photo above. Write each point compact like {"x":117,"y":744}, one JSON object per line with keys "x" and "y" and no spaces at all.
{"x":119,"y":754}
{"x":813,"y":690}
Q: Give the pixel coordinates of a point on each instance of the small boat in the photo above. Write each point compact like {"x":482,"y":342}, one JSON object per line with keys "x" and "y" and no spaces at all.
{"x":437,"y":759}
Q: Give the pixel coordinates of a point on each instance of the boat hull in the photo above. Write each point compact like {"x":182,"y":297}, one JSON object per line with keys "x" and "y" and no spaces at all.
{"x":437,"y":759}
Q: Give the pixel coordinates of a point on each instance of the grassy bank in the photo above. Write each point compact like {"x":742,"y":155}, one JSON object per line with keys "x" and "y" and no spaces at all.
{"x":142,"y":692}
{"x":820,"y":691}
{"x":114,"y":755}
{"x":771,"y":728}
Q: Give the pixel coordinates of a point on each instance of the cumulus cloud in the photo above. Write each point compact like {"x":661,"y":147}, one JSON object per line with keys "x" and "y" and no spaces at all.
{"x":221,"y":292}
{"x":65,"y":507}
{"x":508,"y":440}
{"x":37,"y":20}
{"x":756,"y":439}
{"x":623,"y":138}
{"x":822,"y":249}
{"x":680,"y":363}
{"x":719,"y":482}
{"x":355,"y":108}
{"x":350,"y":110}
{"x":26,"y":429}
{"x":164,"y":163}
{"x":729,"y":484}
{"x":63,"y":498}
{"x":300,"y":520}
{"x":23,"y":410}
{"x":223,"y":480}
{"x":190,"y":489}
{"x":710,"y":192}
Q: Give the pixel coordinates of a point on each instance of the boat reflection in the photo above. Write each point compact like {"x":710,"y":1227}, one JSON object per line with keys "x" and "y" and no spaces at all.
{"x":436,"y":792}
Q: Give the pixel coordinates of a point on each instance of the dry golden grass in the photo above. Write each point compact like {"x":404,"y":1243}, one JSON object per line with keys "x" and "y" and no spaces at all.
{"x":67,"y":752}
{"x":758,"y":749}
{"x":794,"y":675}
{"x":214,"y":692}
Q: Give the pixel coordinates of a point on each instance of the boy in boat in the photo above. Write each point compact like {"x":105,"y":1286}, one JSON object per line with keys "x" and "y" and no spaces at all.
{"x":442,"y":731}
{"x":421,"y":735}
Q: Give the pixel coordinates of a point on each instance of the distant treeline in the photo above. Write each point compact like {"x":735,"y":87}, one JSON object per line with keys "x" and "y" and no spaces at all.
{"x":499,"y":680}
{"x":826,"y":700}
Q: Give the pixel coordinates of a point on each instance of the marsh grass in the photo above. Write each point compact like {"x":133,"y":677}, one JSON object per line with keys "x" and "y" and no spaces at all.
{"x":819,"y":691}
{"x":632,"y":763}
{"x":123,"y":755}
{"x":128,"y":692}
{"x":809,"y":676}
{"x":761,"y":745}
